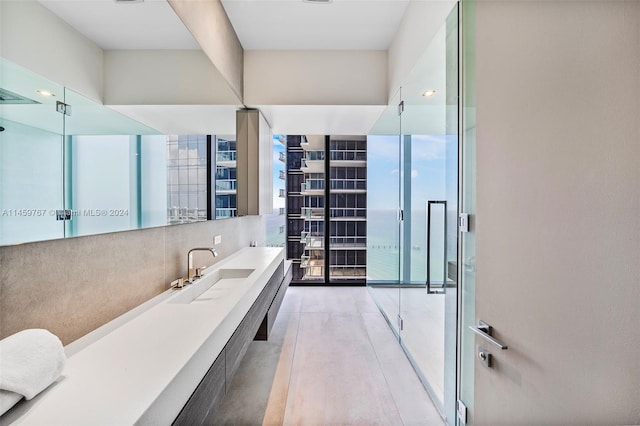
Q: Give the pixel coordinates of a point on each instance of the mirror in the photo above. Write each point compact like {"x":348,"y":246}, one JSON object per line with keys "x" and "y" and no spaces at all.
{"x":71,"y":167}
{"x":30,"y":156}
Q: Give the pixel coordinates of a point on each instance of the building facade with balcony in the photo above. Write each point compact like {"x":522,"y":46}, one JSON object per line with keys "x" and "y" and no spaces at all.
{"x":225,"y":197}
{"x":294,"y":204}
{"x":326,"y":208}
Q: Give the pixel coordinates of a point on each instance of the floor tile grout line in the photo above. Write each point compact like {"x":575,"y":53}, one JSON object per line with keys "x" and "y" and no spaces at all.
{"x":386,"y":381}
{"x":404,"y":352}
{"x":375,"y":353}
{"x":293,"y":359}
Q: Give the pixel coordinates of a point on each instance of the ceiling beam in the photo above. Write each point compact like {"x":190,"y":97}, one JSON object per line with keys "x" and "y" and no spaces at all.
{"x":208,"y":23}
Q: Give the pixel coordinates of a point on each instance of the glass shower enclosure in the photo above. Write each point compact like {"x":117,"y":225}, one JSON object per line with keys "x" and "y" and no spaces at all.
{"x":413,"y":212}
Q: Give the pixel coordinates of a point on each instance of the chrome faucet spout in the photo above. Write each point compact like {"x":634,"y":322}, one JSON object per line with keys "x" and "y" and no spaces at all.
{"x":190,"y":268}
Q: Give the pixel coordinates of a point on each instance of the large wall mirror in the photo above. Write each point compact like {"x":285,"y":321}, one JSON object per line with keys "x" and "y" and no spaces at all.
{"x":70,"y":166}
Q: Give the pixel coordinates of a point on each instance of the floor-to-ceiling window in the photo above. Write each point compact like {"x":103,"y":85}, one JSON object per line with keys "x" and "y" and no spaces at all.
{"x":294,"y":204}
{"x":312,"y":189}
{"x":347,"y":204}
{"x":326,"y":208}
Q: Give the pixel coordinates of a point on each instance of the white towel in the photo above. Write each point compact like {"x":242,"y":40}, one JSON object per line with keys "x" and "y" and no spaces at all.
{"x":30,"y":361}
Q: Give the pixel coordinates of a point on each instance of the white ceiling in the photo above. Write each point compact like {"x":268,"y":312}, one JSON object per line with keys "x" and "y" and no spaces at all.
{"x":297,"y":25}
{"x":151,"y":24}
{"x":259,"y":24}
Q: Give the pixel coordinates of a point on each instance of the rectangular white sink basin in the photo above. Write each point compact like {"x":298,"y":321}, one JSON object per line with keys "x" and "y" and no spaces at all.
{"x":212,"y":286}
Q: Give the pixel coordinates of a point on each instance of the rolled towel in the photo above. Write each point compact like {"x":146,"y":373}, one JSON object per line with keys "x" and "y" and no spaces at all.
{"x":30,"y":361}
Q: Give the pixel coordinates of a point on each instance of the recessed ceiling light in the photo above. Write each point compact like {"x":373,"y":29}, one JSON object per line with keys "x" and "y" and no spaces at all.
{"x":429,"y":93}
{"x":128,"y":1}
{"x":45,"y":93}
{"x":317,"y":1}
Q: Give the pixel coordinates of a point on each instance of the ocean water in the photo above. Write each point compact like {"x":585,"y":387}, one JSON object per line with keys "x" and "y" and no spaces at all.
{"x":384,"y":242}
{"x":385,"y":236}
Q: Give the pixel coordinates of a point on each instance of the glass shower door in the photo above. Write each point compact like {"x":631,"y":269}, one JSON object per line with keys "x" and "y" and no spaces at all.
{"x":383,"y":213}
{"x":412,"y":245}
{"x":467,"y":353}
{"x":428,"y":295}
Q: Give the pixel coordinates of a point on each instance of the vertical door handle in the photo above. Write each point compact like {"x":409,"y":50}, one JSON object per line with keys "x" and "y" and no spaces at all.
{"x":430,"y":203}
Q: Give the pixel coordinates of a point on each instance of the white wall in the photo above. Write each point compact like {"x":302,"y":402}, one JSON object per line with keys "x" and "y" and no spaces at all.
{"x":163,"y":77}
{"x":420,"y":23}
{"x":33,"y":37}
{"x":315,"y":77}
{"x":558,"y":198}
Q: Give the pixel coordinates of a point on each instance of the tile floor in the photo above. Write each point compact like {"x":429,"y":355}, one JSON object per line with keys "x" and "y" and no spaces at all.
{"x":423,"y":331}
{"x":331,"y":359}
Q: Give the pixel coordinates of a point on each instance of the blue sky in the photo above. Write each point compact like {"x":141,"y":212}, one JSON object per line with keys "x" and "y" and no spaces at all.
{"x":430,"y":157}
{"x":277,"y":166}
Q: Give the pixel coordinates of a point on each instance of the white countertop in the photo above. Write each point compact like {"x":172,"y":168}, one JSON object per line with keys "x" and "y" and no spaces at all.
{"x":142,"y":367}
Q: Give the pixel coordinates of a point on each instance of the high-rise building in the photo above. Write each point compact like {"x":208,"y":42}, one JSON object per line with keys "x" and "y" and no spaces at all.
{"x":312,"y":211}
{"x":225,"y":178}
{"x":294,"y":204}
{"x":326,"y":208}
{"x":348,"y":208}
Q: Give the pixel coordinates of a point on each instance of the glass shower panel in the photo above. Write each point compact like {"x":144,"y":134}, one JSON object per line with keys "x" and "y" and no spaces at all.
{"x":427,"y":174}
{"x":430,"y":175}
{"x":383,"y":204}
{"x":383,"y":200}
{"x":467,"y":270}
{"x":31,"y":157}
{"x":452,"y":156}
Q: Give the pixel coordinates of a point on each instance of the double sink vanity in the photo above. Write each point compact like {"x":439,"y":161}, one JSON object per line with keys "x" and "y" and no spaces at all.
{"x":171,"y":359}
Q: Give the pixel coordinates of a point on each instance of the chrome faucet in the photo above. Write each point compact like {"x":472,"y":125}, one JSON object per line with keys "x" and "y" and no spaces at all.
{"x":190,"y":270}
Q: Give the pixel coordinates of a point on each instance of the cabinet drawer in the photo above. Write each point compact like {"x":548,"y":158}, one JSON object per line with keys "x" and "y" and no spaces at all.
{"x":204,"y":401}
